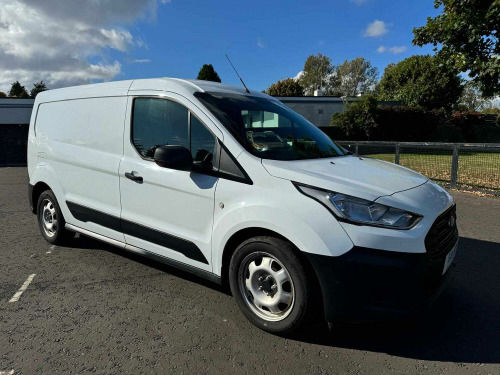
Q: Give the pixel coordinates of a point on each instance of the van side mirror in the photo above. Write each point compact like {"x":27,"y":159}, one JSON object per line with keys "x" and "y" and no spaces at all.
{"x":174,"y":157}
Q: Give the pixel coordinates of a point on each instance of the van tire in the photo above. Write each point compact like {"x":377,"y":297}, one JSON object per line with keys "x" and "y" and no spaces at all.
{"x":248,"y":276}
{"x":49,"y":212}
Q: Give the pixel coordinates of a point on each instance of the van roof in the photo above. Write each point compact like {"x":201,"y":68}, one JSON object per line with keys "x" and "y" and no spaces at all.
{"x":184,"y":87}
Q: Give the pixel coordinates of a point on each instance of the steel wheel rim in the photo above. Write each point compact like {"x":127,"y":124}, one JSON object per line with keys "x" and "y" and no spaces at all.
{"x":266,"y":286}
{"x":49,"y":218}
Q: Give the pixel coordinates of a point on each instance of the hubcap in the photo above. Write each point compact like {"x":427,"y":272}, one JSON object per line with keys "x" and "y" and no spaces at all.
{"x":49,"y":218}
{"x":266,"y":286}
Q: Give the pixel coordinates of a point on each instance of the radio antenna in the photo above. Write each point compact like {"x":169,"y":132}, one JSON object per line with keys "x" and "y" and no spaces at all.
{"x":246,"y":88}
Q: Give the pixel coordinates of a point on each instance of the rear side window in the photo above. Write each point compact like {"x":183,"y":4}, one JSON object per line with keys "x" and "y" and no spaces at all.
{"x":158,"y":122}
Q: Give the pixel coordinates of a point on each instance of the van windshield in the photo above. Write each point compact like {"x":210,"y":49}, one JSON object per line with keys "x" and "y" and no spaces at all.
{"x":269,"y":129}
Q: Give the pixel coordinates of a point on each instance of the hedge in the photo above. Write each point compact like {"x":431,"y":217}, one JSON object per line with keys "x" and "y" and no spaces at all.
{"x":406,"y":124}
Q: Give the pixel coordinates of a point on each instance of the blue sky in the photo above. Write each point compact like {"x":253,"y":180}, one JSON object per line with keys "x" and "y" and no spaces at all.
{"x":270,"y":40}
{"x":73,"y":42}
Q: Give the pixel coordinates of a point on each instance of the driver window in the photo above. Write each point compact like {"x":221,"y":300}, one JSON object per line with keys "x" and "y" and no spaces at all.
{"x":158,"y":122}
{"x":202,"y":143}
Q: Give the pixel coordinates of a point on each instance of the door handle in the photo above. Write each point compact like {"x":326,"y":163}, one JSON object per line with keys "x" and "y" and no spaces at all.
{"x":134,"y":177}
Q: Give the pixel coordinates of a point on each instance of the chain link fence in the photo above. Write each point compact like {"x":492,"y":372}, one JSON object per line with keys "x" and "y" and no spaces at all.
{"x":474,"y":167}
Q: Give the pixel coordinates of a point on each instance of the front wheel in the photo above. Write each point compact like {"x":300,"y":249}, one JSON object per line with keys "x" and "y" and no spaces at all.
{"x":270,"y":284}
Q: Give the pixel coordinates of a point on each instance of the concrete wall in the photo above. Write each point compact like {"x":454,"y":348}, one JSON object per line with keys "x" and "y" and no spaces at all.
{"x":319,"y":109}
{"x":14,"y":123}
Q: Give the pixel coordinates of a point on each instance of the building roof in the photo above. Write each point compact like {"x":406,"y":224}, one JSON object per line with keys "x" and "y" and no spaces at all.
{"x":15,"y":111}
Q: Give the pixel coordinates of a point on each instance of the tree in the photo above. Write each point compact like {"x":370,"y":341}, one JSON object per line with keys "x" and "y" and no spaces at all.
{"x":317,"y":74}
{"x":208,"y":73}
{"x":354,"y":77}
{"x":18,"y":91}
{"x":471,"y":99}
{"x":358,"y":120}
{"x":420,"y":81}
{"x":492,"y":108}
{"x":38,"y":87}
{"x":286,"y":87}
{"x":467,"y":32}
{"x":2,"y":94}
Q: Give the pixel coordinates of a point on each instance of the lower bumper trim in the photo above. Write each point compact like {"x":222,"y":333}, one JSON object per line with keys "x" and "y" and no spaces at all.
{"x":377,"y":284}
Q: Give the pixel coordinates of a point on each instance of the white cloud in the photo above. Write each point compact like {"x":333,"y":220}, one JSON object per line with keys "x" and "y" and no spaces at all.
{"x":139,"y":61}
{"x":376,"y":28}
{"x":299,"y":74}
{"x":64,"y":42}
{"x":260,"y":43}
{"x":358,"y":2}
{"x":394,"y":50}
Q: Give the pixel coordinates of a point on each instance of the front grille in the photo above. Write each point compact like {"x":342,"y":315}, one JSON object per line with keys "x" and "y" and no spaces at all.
{"x":442,"y":236}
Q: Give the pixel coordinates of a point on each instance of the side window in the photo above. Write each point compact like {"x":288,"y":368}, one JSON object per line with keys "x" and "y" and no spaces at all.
{"x":158,"y":122}
{"x":202,"y":142}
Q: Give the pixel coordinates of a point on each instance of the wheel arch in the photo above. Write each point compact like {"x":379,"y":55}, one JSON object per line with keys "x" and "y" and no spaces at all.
{"x":37,"y":190}
{"x":244,"y":234}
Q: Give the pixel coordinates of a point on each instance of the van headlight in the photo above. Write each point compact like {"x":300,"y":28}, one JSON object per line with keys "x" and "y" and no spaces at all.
{"x":361,"y":211}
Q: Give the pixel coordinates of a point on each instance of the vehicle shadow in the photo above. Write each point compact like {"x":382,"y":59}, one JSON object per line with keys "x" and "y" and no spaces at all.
{"x":88,"y":243}
{"x":463,"y":325}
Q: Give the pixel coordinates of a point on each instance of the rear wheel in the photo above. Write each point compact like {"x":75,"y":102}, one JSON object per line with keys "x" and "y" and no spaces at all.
{"x":270,"y":284}
{"x":50,"y":219}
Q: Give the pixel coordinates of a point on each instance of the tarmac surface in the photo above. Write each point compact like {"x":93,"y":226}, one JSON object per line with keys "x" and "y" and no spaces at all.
{"x":94,"y":308}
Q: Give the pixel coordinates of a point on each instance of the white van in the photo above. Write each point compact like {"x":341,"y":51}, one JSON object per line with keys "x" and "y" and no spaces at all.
{"x":236,"y":187}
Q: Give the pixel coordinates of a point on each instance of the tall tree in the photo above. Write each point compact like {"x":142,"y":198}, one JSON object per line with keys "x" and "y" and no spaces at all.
{"x":422,"y":81}
{"x":471,"y":99}
{"x":317,"y":73}
{"x":38,"y":87}
{"x":286,"y":87}
{"x":465,"y":36}
{"x":18,"y":91}
{"x":2,"y":94}
{"x":208,"y":73}
{"x":355,"y":77}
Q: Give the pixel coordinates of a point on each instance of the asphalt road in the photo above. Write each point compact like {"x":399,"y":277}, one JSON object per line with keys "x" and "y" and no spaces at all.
{"x":93,"y":308}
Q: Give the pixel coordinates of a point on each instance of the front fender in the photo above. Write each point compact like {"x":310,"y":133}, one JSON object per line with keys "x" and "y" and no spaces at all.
{"x":281,"y":209}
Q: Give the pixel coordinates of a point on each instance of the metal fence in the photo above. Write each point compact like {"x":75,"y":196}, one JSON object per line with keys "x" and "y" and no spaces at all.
{"x":473,"y":167}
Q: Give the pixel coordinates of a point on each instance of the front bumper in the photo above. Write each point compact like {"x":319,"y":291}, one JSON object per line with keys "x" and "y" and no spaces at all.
{"x":367,"y":284}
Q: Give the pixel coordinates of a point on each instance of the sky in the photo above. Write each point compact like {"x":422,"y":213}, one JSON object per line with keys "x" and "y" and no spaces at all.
{"x":73,"y":42}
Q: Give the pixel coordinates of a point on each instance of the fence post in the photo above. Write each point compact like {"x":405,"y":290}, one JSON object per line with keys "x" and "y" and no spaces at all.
{"x":356,"y":148}
{"x":396,"y":157}
{"x":454,"y":166}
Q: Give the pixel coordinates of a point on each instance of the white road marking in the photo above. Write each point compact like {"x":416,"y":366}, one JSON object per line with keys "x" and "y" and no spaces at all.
{"x":11,"y":372}
{"x":51,"y":249}
{"x":22,"y":288}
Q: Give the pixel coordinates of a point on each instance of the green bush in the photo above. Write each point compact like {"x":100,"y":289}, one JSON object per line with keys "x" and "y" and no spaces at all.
{"x":358,"y":120}
{"x":335,"y":133}
{"x":407,"y":123}
{"x":475,"y":128}
{"x":363,"y":120}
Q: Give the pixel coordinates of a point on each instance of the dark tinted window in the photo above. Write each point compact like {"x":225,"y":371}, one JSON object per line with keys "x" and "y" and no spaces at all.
{"x":269,"y":129}
{"x":202,"y":142}
{"x":158,"y":122}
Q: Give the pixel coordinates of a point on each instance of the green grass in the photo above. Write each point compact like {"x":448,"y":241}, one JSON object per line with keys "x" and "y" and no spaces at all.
{"x":475,"y":170}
